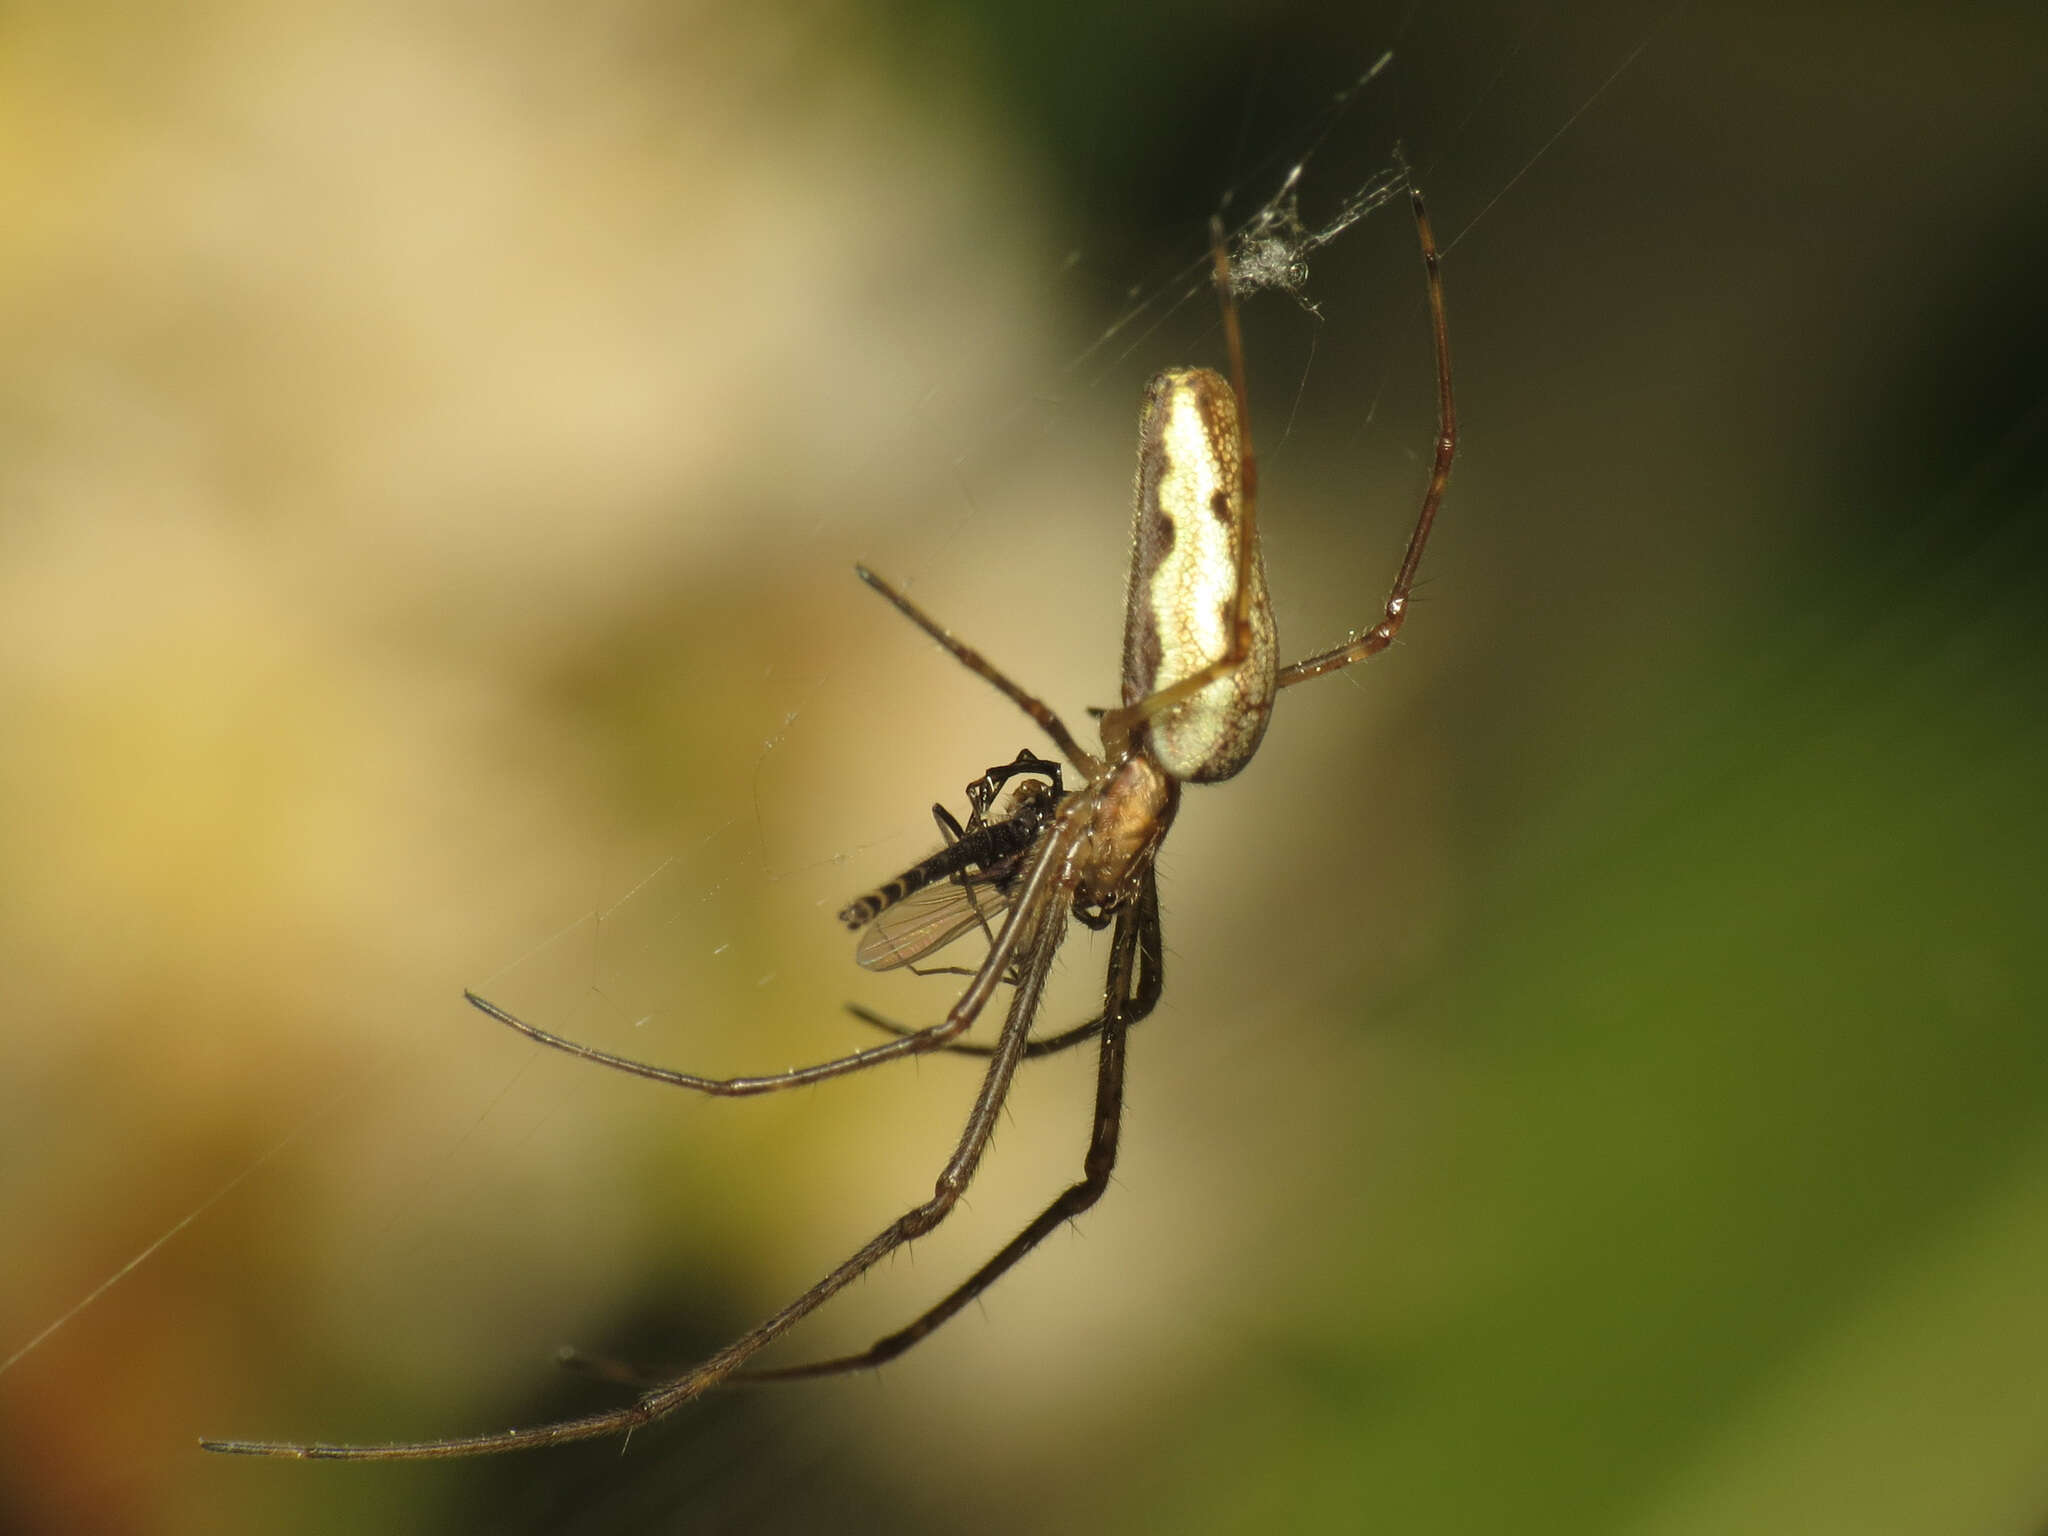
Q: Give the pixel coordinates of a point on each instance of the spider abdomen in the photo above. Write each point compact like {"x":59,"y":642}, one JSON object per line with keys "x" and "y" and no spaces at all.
{"x":1188,"y":537}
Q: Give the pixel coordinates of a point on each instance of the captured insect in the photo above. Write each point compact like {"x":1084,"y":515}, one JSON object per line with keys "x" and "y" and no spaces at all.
{"x":911,"y":916}
{"x":1200,"y":673}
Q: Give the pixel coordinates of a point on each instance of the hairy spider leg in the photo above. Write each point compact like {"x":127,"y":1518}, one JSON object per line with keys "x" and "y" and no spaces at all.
{"x":1381,"y":635}
{"x":1129,"y":992}
{"x":1120,"y":1003}
{"x":981,"y":667}
{"x":1051,"y":892}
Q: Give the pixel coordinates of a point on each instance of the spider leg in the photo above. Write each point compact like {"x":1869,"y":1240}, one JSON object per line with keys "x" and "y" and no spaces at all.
{"x":915,"y":1043}
{"x":983,"y":668}
{"x":1119,"y":997}
{"x":1043,"y":911}
{"x":1140,"y":993}
{"x":1051,"y":1045}
{"x":1012,"y":951}
{"x":1151,"y":978}
{"x":1381,"y":635}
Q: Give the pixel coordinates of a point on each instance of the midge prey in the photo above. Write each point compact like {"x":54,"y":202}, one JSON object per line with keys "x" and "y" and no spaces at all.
{"x":1200,"y":675}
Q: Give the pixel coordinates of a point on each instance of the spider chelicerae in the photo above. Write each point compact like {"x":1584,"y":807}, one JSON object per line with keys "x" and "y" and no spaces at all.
{"x":1200,"y":673}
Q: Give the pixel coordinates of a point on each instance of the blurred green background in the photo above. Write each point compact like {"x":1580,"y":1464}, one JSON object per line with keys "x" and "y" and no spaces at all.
{"x":1600,"y":1083}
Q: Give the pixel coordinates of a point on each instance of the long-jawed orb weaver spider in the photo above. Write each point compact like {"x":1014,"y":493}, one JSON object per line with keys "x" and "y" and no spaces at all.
{"x":1200,"y":675}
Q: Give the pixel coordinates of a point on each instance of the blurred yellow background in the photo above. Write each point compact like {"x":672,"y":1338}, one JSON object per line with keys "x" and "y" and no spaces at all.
{"x":1600,"y":1083}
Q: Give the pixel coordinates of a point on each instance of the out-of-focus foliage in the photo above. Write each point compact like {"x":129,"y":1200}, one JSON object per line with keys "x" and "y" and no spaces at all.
{"x":1600,"y":1085}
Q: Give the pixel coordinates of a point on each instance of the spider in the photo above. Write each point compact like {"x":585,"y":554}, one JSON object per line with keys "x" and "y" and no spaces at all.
{"x":1200,"y":675}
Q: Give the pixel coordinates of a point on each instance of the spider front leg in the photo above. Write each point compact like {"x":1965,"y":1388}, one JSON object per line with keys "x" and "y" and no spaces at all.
{"x":1381,"y":635}
{"x":1004,"y":955}
{"x":1036,"y":929}
{"x":983,"y":668}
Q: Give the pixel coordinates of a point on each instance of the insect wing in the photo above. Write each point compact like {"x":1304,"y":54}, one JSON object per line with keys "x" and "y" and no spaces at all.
{"x":926,"y":921}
